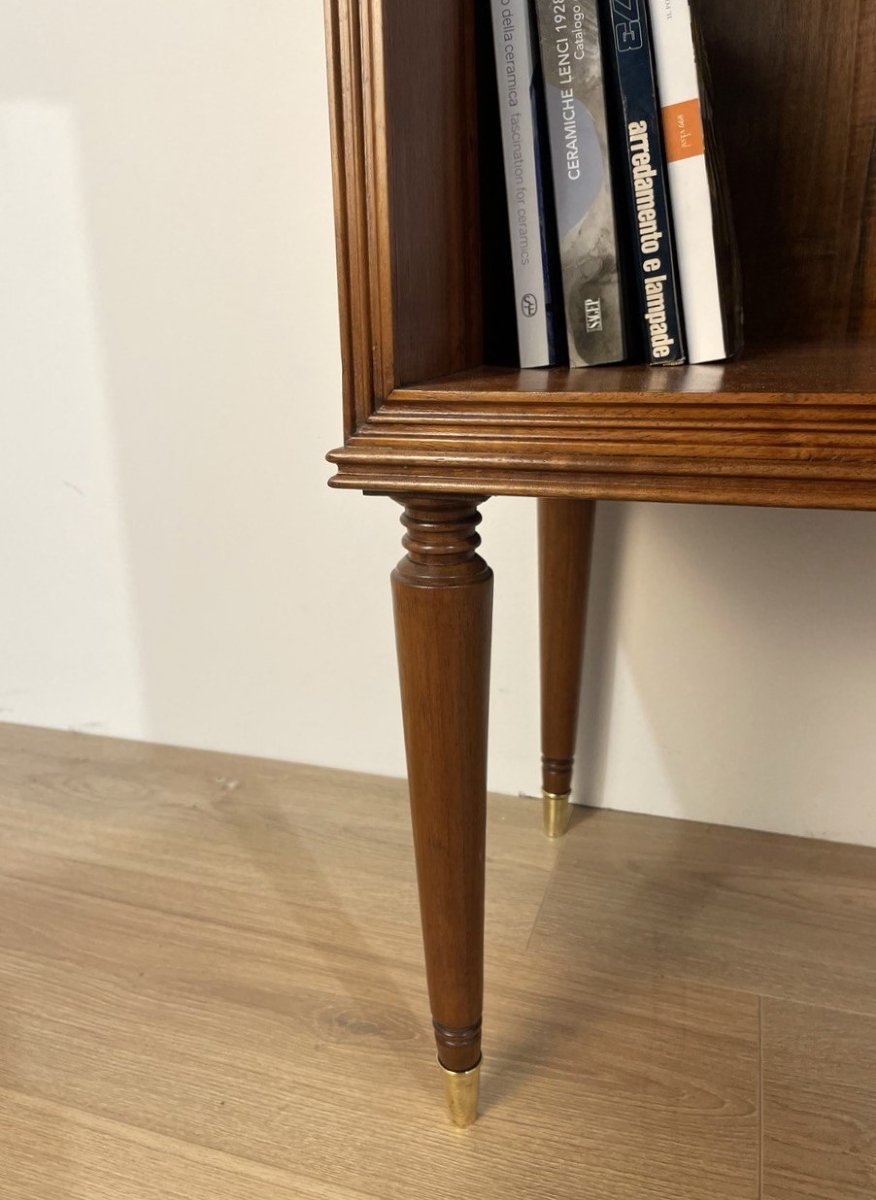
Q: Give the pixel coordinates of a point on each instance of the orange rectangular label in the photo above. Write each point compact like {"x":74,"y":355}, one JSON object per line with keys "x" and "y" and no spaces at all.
{"x":683,"y":130}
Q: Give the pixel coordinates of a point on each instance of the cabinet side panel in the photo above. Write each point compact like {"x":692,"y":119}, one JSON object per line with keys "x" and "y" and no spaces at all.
{"x":795,"y":99}
{"x":351,"y":207}
{"x":425,"y":123}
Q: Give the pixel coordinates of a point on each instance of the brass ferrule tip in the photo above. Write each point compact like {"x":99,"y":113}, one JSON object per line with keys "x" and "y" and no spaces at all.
{"x":462,"y":1088}
{"x":557,"y":810}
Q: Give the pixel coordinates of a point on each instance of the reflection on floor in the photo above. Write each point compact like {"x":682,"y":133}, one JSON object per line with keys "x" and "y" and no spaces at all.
{"x":211,"y":986}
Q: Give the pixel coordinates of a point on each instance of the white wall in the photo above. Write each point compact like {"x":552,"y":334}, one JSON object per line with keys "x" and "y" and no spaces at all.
{"x":174,"y":567}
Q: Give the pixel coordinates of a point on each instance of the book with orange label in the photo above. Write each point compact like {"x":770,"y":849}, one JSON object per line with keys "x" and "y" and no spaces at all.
{"x":708,"y":265}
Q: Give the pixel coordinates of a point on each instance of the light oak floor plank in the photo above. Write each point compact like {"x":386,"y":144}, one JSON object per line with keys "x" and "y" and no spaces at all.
{"x":59,"y":1153}
{"x":787,"y":917}
{"x":819,"y":1089}
{"x":214,"y":835}
{"x":211,"y":984}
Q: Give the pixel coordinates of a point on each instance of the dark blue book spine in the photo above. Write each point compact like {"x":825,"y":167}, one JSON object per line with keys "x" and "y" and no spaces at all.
{"x":640,"y":150}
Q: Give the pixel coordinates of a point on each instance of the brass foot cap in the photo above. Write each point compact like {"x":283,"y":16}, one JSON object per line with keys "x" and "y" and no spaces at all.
{"x":557,"y":810}
{"x":462,"y":1088}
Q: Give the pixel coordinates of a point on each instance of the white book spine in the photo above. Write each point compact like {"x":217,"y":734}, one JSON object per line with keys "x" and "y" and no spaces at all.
{"x":692,"y":206}
{"x":512,"y":37}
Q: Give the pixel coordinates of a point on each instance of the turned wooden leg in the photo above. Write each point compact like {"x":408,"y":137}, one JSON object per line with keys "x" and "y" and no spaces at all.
{"x":565,"y":539}
{"x":442,"y":594}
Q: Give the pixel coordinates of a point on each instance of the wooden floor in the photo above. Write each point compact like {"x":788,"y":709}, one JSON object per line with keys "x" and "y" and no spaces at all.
{"x":211,"y":989}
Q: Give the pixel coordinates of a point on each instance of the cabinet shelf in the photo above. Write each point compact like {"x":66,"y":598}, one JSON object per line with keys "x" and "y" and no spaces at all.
{"x":420,"y":253}
{"x":812,"y":374}
{"x":794,"y":426}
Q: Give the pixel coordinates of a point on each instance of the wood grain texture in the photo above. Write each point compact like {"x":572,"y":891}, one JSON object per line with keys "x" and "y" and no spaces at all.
{"x":406,"y":193}
{"x":795,"y":103}
{"x":791,"y":424}
{"x":863,"y":309}
{"x":819,"y":1095}
{"x":52,"y":1151}
{"x":430,"y":240}
{"x":196,"y":1001}
{"x":565,"y":542}
{"x":785,"y":917}
{"x":206,"y":990}
{"x":352,"y":219}
{"x":443,"y":603}
{"x":795,"y":428}
{"x":821,"y":373}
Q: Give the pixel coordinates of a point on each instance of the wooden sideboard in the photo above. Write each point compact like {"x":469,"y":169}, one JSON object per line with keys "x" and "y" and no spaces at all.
{"x":434,"y":420}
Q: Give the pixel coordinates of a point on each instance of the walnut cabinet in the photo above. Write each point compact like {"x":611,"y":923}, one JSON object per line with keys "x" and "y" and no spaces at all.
{"x":437,"y":418}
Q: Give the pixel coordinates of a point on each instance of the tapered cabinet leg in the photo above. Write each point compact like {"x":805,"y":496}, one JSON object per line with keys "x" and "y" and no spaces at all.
{"x":565,"y":540}
{"x":442,"y":596}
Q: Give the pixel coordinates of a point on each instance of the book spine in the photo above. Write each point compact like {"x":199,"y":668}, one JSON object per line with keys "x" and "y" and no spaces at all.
{"x":518,"y":109}
{"x":693,"y":211}
{"x":640,"y":143}
{"x":571,"y":59}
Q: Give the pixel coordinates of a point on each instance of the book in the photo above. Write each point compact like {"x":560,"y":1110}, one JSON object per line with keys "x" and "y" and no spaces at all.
{"x":520,"y":114}
{"x":707,"y":261}
{"x":571,"y":59}
{"x":652,"y":259}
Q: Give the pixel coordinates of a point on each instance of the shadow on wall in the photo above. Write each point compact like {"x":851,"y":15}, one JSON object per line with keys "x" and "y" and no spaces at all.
{"x":176,"y":569}
{"x":170,"y":336}
{"x":730,"y":671}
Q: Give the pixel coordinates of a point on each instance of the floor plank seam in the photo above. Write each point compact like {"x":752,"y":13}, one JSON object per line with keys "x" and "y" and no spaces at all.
{"x":760,"y":1090}
{"x":537,"y":916}
{"x":755,"y":991}
{"x":359,"y":955}
{"x":117,"y":1128}
{"x":212,"y":922}
{"x":196,"y":1007}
